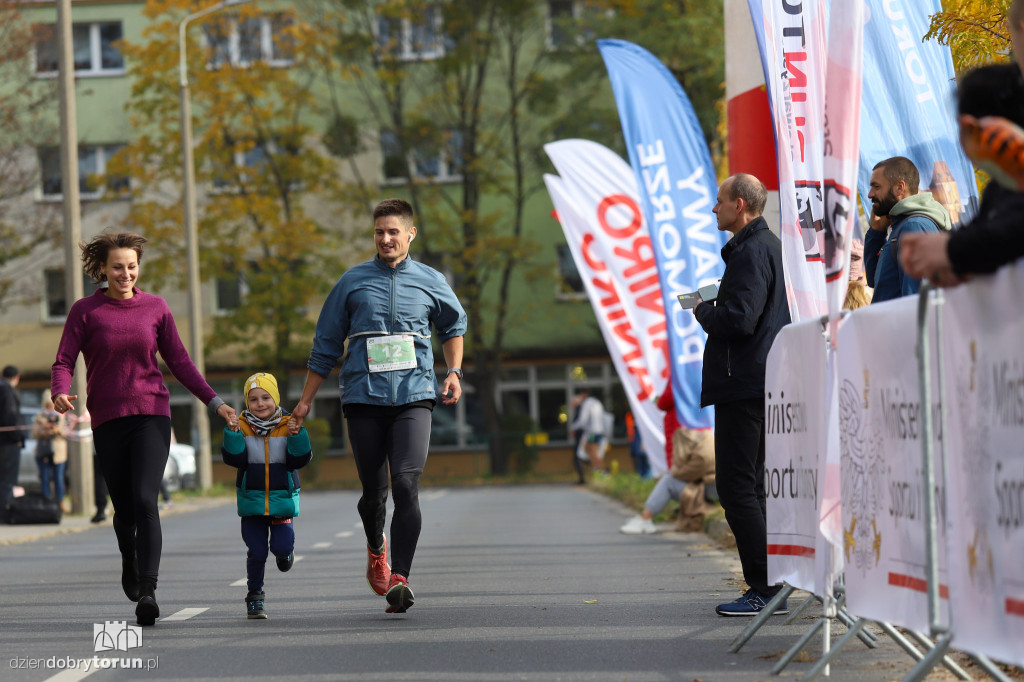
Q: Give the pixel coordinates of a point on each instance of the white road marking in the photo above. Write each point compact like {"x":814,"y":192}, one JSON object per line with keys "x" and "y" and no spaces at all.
{"x":345,"y":534}
{"x":321,"y":545}
{"x":184,"y":614}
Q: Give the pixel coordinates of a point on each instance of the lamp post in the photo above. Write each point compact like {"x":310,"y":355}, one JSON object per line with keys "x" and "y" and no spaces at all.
{"x":195,"y":307}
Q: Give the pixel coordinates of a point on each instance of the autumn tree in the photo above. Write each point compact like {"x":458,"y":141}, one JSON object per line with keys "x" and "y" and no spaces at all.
{"x":23,"y":99}
{"x":687,"y":37}
{"x":456,"y":95}
{"x":460,"y":98}
{"x":975,"y":30}
{"x":258,"y":165}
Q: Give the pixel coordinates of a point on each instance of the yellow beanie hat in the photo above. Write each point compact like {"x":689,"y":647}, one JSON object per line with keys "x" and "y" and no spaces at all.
{"x":267,"y":382}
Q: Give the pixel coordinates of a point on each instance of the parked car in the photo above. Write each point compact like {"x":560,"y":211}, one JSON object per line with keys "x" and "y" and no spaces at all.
{"x":179,"y":473}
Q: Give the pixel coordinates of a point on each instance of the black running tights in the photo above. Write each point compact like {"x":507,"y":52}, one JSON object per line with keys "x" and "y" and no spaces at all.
{"x":394,"y":438}
{"x":132,"y":453}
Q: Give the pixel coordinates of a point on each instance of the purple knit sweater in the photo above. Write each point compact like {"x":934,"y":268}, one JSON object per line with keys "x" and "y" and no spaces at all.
{"x":120,"y":339}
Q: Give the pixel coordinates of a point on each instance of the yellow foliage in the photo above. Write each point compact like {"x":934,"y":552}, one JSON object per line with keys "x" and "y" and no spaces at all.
{"x":975,"y":30}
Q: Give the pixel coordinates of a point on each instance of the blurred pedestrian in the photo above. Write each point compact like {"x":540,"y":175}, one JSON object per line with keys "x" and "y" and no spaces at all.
{"x":50,"y":429}
{"x":12,"y":437}
{"x":693,"y":464}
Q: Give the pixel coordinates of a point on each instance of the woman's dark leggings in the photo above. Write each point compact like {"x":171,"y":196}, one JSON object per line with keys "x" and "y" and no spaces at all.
{"x":132,"y":453}
{"x":395,"y":438}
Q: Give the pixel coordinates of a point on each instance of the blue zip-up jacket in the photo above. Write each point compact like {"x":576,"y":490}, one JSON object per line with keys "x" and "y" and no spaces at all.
{"x":374,"y":299}
{"x":916,"y":213}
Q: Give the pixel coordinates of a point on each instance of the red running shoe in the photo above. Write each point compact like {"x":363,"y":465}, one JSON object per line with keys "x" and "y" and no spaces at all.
{"x":377,"y":570}
{"x":399,"y":596}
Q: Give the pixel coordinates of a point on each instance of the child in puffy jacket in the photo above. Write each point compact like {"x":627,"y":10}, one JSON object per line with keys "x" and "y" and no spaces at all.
{"x":266,"y":456}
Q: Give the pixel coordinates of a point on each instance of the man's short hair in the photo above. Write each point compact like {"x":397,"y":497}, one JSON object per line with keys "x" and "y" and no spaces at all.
{"x":10,"y":371}
{"x":751,"y":190}
{"x":394,"y":207}
{"x":900,"y":168}
{"x":993,"y":90}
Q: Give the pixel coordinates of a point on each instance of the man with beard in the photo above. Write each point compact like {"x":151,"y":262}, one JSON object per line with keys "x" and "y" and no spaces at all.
{"x":896,"y":203}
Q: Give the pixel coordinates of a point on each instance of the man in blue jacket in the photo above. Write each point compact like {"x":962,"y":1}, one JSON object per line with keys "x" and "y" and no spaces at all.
{"x":741,"y":325}
{"x":385,"y":308}
{"x":896,"y":202}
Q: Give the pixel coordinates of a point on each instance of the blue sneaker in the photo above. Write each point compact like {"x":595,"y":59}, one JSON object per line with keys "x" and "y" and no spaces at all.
{"x":750,"y":604}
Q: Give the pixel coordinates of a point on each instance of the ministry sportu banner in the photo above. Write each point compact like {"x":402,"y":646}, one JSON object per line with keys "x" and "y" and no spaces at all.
{"x":796,"y":385}
{"x":883,"y":501}
{"x":983,"y":370}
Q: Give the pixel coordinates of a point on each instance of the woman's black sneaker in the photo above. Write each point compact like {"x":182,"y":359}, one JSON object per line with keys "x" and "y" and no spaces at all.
{"x":254,"y":605}
{"x":285,"y":563}
{"x":147,"y":610}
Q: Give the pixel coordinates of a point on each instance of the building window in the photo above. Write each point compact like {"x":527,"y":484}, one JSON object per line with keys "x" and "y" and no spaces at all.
{"x":570,"y":283}
{"x":93,"y":182}
{"x":230,"y":291}
{"x":95,"y":53}
{"x":243,"y":42}
{"x":415,"y":39}
{"x":249,"y":163}
{"x":437,"y":161}
{"x":55,"y":301}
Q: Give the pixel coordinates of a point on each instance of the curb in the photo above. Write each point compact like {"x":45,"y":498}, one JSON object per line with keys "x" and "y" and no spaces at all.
{"x":18,"y":534}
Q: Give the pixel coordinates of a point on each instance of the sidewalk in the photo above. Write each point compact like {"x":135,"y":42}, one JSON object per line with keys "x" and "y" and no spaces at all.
{"x":69,"y":523}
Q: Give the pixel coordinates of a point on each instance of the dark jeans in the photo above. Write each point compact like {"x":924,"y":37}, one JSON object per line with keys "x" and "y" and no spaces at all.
{"x":395,"y":439}
{"x":133,"y":452}
{"x":51,"y":479}
{"x":739,"y":475}
{"x":10,"y":462}
{"x":281,"y":543}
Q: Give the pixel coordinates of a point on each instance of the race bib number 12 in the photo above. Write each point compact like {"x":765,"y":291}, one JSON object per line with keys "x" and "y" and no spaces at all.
{"x":390,"y":353}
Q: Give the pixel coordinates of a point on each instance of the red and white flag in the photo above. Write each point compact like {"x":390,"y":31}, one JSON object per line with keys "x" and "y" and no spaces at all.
{"x":596,"y":200}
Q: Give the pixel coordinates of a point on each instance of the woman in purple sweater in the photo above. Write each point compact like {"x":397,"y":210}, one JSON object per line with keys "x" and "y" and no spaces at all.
{"x":119,"y":331}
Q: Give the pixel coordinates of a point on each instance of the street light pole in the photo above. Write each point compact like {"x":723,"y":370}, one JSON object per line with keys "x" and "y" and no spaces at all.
{"x":195,"y":307}
{"x":79,"y":450}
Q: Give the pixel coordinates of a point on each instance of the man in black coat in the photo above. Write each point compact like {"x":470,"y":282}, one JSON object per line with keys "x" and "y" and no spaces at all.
{"x":11,"y":438}
{"x":741,"y":325}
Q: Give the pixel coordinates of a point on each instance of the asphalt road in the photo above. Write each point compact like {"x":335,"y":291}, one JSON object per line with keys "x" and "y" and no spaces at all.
{"x":511,"y":583}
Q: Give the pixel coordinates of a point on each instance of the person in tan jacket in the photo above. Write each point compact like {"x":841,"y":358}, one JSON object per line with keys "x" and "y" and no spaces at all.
{"x":50,"y":429}
{"x":693,"y":466}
